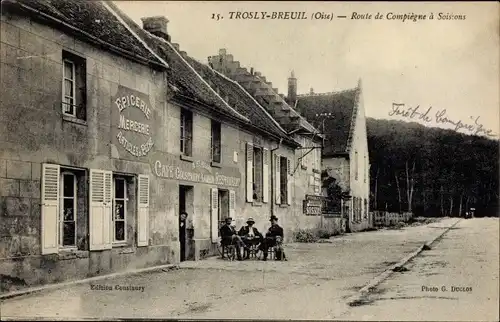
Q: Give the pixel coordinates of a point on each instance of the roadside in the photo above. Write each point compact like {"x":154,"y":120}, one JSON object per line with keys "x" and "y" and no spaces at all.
{"x":314,"y":283}
{"x":457,"y":280}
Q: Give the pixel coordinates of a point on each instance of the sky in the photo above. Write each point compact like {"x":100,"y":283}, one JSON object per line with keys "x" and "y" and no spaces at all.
{"x":450,"y":65}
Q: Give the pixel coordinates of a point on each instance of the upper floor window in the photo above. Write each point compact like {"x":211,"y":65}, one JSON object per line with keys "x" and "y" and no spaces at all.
{"x":216,"y":141}
{"x":257,"y":174}
{"x":186,"y":136}
{"x":74,"y":91}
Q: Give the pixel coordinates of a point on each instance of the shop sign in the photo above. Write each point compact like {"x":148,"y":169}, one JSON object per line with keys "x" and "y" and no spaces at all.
{"x":133,"y":123}
{"x":170,"y":166}
{"x":313,"y":205}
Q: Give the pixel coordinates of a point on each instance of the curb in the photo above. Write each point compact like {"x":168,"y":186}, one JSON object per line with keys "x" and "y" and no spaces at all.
{"x":83,"y":281}
{"x":388,"y":272}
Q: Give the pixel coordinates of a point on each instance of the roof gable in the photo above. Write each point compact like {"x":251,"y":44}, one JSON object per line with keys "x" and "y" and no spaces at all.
{"x":334,"y":114}
{"x":182,"y":77}
{"x":89,"y":19}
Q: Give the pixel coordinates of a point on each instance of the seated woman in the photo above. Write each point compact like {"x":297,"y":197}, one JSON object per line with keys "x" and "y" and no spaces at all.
{"x":229,"y":236}
{"x":274,"y":236}
{"x":250,"y":235}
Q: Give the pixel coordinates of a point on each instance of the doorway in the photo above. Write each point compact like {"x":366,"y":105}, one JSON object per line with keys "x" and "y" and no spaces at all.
{"x":186,"y":229}
{"x":223,"y":207}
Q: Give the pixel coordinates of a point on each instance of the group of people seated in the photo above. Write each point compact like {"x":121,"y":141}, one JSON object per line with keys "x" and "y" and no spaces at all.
{"x":249,"y":236}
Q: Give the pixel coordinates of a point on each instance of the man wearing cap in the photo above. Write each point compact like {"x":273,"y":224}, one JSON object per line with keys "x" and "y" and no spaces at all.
{"x":229,"y":236}
{"x":250,"y":235}
{"x":274,"y":235}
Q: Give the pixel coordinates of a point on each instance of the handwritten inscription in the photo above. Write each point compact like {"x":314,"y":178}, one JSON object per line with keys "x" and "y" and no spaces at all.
{"x":439,"y":117}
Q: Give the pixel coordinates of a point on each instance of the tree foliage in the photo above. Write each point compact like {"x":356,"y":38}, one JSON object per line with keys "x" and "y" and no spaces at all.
{"x":431,"y":171}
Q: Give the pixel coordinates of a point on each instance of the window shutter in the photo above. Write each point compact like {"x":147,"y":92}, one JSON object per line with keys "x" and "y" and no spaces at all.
{"x":214,"y":214}
{"x":277,"y":189}
{"x":100,"y":209}
{"x":143,"y":211}
{"x":289,"y":182}
{"x":232,"y":204}
{"x":265,"y":176}
{"x":50,"y":208}
{"x":249,"y":172}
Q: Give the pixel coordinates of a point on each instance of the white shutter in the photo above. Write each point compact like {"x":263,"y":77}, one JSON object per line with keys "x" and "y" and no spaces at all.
{"x":277,"y":189}
{"x":289,"y":181}
{"x":249,"y":172}
{"x":214,"y":214}
{"x":265,"y":176}
{"x":50,"y":208}
{"x":143,"y":211}
{"x":232,"y":204}
{"x":100,"y":209}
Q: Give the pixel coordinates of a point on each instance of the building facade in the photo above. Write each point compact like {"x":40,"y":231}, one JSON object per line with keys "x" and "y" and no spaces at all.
{"x":108,"y":134}
{"x":341,"y":116}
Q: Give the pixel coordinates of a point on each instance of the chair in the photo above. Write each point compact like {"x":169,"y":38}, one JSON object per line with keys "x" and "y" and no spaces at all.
{"x":227,"y":249}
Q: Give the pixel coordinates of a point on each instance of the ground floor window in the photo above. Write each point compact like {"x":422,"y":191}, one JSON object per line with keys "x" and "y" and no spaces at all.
{"x":68,"y":210}
{"x":120,"y":209}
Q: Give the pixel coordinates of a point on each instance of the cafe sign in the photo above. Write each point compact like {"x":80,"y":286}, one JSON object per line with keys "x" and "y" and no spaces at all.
{"x":133,"y":124}
{"x":170,"y":166}
{"x":313,"y":205}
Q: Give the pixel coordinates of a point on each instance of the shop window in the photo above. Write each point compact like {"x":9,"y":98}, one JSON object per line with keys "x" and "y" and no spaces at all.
{"x":186,"y":132}
{"x":67,"y":218}
{"x":120,"y":206}
{"x":257,"y":174}
{"x":216,"y":141}
{"x":74,"y":91}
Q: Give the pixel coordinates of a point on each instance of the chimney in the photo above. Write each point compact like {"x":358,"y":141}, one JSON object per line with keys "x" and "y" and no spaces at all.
{"x":292,"y":89}
{"x":156,"y":25}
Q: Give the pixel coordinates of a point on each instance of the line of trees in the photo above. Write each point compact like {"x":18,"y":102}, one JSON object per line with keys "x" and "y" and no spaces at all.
{"x":431,"y":171}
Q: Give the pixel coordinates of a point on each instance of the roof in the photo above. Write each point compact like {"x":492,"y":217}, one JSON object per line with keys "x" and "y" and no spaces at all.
{"x":239,"y":98}
{"x":182,"y":77}
{"x":91,"y":20}
{"x":333,"y":114}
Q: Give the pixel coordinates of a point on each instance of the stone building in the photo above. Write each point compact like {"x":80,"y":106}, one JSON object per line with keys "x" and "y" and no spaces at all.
{"x":341,"y":116}
{"x":305,"y":159}
{"x":108,"y":131}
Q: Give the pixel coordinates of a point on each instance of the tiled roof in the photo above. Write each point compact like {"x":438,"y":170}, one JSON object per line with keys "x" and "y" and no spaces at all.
{"x":181,"y":75}
{"x":92,"y":19}
{"x":238,"y":98}
{"x":336,"y":110}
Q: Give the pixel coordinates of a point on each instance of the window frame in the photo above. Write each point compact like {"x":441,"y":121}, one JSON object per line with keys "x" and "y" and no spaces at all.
{"x":260,"y":195}
{"x":186,"y":132}
{"x":216,"y":128}
{"x":73,"y":105}
{"x":125,"y":207}
{"x":62,"y":197}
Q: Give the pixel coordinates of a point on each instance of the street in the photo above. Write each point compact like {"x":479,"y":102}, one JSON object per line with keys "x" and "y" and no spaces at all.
{"x":315,"y":282}
{"x":457,"y":280}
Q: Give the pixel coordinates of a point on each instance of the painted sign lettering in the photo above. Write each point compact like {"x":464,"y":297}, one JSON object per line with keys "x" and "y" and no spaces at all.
{"x":133,"y":122}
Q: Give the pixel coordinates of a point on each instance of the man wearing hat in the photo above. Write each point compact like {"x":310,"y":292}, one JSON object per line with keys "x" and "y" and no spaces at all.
{"x":229,"y":236}
{"x":274,"y":234}
{"x":250,"y":235}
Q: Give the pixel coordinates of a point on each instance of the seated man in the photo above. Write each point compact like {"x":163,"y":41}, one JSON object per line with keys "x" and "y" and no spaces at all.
{"x":250,"y":235}
{"x":274,"y":236}
{"x":229,"y":236}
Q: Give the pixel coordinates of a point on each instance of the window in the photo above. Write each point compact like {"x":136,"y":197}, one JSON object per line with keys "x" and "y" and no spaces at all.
{"x":216,"y":141}
{"x":67,"y":218}
{"x":120,"y":201}
{"x":186,"y":132}
{"x":365,"y":168}
{"x":356,"y":170}
{"x":74,"y":90}
{"x":257,"y":174}
{"x":284,"y":179}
